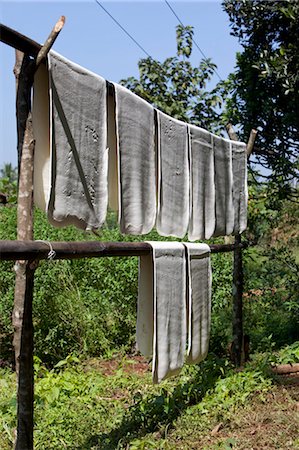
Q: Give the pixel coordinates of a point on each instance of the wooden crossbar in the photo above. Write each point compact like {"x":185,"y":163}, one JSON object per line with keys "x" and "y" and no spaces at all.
{"x":38,"y":250}
{"x":19,"y":41}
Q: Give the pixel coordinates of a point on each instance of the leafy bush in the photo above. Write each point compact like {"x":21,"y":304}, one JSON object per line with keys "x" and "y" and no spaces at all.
{"x":271,"y":308}
{"x":221,"y":332}
{"x":88,"y":306}
{"x":79,"y":306}
{"x":77,"y":406}
{"x":8,"y":182}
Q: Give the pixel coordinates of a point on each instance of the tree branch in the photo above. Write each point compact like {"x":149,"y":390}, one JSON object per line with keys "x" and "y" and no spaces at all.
{"x":50,"y":41}
{"x":231,"y":132}
{"x":250,"y":143}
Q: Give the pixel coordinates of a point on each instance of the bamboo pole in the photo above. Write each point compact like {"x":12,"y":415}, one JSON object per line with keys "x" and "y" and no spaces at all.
{"x":22,"y":312}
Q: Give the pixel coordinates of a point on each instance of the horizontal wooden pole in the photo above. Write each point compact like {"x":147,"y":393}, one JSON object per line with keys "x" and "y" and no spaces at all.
{"x":283,"y":369}
{"x":18,"y":41}
{"x":28,"y":46}
{"x":36,"y":250}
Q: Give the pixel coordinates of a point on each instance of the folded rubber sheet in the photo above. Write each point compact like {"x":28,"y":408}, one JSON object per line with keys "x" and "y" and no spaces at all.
{"x":174,"y":306}
{"x":202,"y":184}
{"x":135,"y":135}
{"x":173,"y":177}
{"x":154,"y":170}
{"x":199,"y":283}
{"x":71,"y":156}
{"x":161,"y":312}
{"x":218,"y":185}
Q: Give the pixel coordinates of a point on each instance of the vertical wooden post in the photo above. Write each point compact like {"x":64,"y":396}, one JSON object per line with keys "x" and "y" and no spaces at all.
{"x":22,"y":313}
{"x":238,"y":276}
{"x":24,"y":439}
{"x":238,"y":280}
{"x":237,"y":313}
{"x":25,"y":195}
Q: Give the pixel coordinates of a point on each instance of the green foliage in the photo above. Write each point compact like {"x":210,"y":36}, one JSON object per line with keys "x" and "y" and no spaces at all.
{"x":265,"y":86}
{"x":8,"y":182}
{"x":184,"y":36}
{"x":271,"y":272}
{"x":176,"y":87}
{"x":221,"y":333}
{"x":79,"y":407}
{"x":85,"y":306}
{"x":287,"y":355}
{"x":271,"y":303}
{"x":88,"y":306}
{"x":9,"y":172}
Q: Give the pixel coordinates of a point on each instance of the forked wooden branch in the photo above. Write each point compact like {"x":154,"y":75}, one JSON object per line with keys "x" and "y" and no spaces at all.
{"x":50,"y":41}
{"x":250,"y":143}
{"x":234,"y":137}
{"x":22,"y":313}
{"x":231,"y":132}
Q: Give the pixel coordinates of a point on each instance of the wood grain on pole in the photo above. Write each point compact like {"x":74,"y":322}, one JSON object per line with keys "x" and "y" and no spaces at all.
{"x":23,"y":73}
{"x":284,"y":369}
{"x":24,"y":440}
{"x":237,"y":311}
{"x":22,"y":312}
{"x":50,"y":41}
{"x":36,"y":250}
{"x":231,"y":132}
{"x":250,"y":143}
{"x":18,"y":41}
{"x":238,"y":275}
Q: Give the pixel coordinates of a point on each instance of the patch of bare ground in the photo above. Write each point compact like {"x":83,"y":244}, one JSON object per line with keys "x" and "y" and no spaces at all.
{"x":129,"y":364}
{"x":263,"y":425}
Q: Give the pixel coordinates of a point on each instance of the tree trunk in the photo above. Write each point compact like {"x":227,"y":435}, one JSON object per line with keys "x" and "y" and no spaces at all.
{"x":24,"y":76}
{"x":24,"y":439}
{"x":22,"y":311}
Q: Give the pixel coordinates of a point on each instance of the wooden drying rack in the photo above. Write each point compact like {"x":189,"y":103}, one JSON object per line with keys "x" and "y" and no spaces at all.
{"x":27,"y":252}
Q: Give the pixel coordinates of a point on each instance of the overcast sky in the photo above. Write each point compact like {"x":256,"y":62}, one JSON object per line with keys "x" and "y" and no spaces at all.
{"x":91,"y":39}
